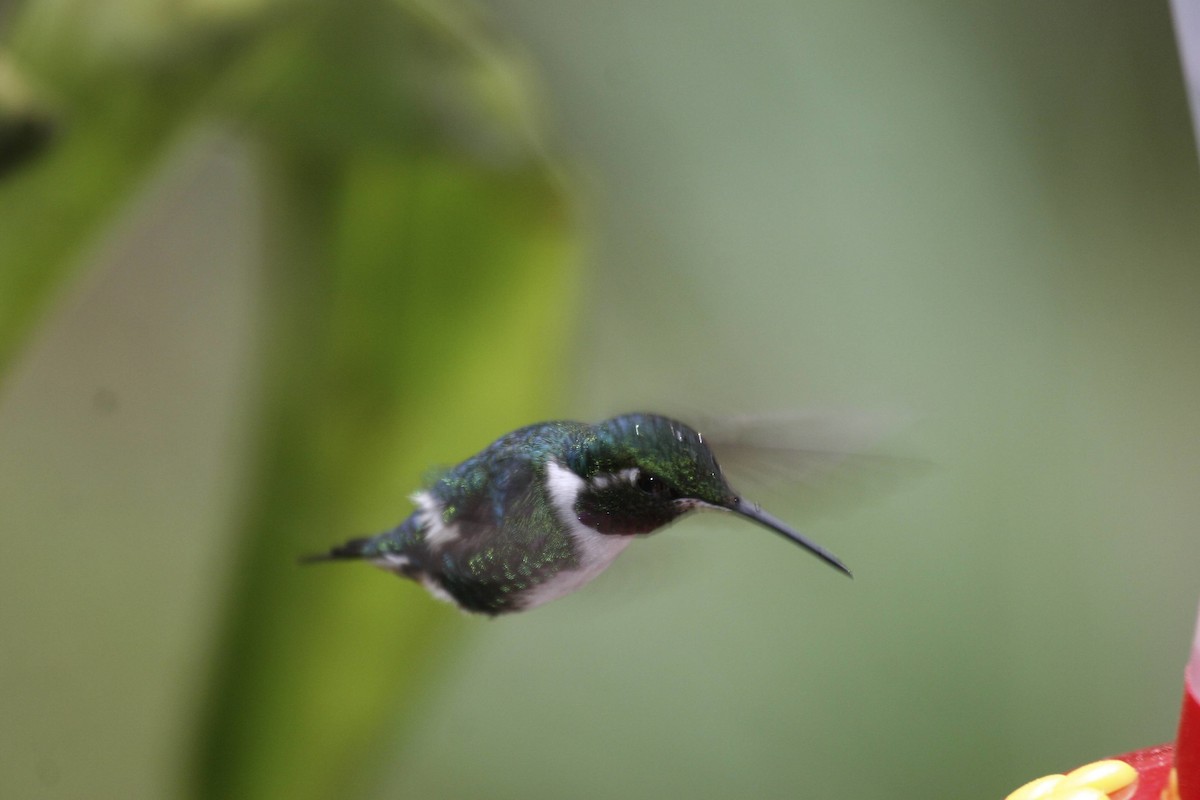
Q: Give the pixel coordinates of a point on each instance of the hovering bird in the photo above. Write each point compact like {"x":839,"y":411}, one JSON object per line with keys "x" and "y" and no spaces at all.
{"x":545,"y":509}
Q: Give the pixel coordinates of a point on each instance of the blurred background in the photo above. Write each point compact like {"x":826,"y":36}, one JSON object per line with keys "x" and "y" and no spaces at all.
{"x":264,"y":262}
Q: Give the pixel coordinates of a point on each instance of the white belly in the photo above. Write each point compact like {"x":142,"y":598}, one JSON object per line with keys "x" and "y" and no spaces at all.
{"x":596,"y":552}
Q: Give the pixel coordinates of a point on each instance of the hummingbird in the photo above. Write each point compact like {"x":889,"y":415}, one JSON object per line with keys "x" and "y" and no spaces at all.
{"x":545,"y":509}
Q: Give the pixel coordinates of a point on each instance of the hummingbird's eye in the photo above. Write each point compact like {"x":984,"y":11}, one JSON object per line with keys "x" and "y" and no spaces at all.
{"x":653,"y":485}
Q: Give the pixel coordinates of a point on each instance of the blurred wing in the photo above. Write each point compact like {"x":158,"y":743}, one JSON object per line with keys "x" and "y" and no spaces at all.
{"x":821,"y":457}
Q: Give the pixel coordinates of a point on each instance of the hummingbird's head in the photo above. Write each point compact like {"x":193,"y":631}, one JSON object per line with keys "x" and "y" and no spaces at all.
{"x":643,"y":471}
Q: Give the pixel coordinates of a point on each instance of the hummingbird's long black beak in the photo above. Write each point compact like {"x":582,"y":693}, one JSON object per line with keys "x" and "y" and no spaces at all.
{"x":753,"y":512}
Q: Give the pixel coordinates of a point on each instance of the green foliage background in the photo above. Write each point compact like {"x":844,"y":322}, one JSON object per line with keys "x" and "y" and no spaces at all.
{"x":282,"y":256}
{"x":412,"y":259}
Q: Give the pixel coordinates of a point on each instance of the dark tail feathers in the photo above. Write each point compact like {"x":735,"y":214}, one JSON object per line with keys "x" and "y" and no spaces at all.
{"x":355,"y":548}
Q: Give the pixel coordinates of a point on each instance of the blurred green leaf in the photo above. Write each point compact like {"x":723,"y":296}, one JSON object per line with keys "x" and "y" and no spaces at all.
{"x":417,"y":294}
{"x":116,"y":104}
{"x":426,"y":339}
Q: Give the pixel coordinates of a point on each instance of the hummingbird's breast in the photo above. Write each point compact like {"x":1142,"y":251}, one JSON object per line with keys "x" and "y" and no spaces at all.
{"x":593,"y":551}
{"x":596,"y":554}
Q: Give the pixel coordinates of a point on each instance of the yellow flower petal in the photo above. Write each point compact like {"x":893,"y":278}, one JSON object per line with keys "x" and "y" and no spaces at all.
{"x":1078,"y":793}
{"x":1039,"y":789}
{"x":1107,"y":776}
